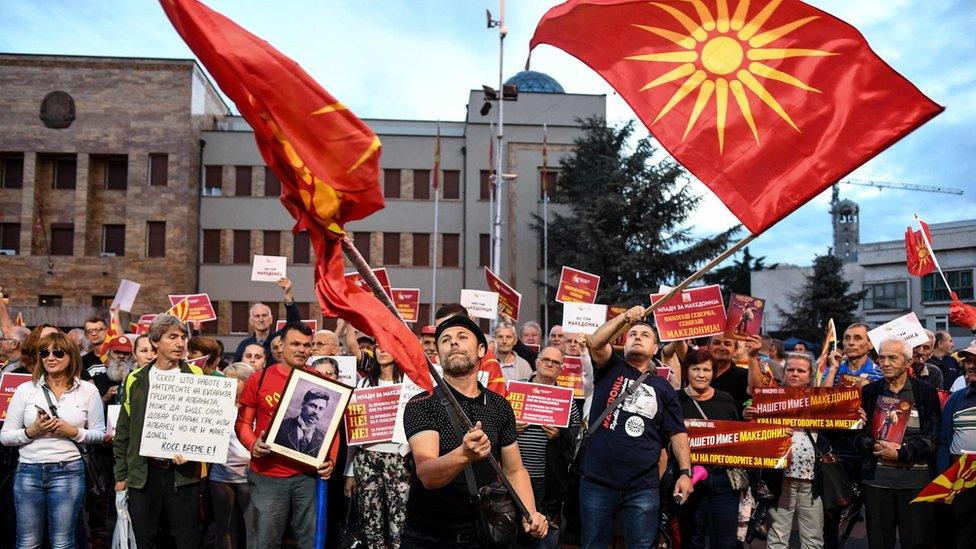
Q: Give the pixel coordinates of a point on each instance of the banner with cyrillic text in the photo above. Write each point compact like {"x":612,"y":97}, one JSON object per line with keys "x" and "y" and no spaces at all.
{"x":538,"y":404}
{"x":371,"y":414}
{"x":692,"y":313}
{"x":808,"y":407}
{"x":571,"y":375}
{"x":738,"y":443}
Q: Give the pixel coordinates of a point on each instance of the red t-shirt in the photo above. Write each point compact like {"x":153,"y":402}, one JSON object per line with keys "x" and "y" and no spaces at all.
{"x":265,"y":402}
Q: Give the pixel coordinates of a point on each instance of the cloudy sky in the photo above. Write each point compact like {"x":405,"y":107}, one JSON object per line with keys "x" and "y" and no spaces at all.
{"x":418,"y":59}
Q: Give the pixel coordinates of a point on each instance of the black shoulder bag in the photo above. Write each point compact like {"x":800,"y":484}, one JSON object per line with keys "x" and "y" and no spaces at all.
{"x":836,"y":489}
{"x":96,"y":481}
{"x":584,"y":434}
{"x":496,"y":518}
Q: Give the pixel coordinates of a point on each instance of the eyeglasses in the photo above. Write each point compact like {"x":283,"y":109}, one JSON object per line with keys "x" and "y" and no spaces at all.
{"x":58,"y":353}
{"x":544,"y":360}
{"x":95,"y":330}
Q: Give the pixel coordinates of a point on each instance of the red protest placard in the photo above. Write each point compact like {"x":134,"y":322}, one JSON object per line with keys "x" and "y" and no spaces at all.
{"x":311,"y":323}
{"x":540,"y":404}
{"x":890,"y":420}
{"x":381,"y":275}
{"x":577,"y":286}
{"x":508,"y":299}
{"x":696,"y":312}
{"x":372,"y":414}
{"x":744,"y":316}
{"x":8,"y":384}
{"x":142,"y":327}
{"x":738,"y":443}
{"x":571,"y":376}
{"x":613,"y":311}
{"x":407,"y":301}
{"x":201,"y":310}
{"x":808,"y":407}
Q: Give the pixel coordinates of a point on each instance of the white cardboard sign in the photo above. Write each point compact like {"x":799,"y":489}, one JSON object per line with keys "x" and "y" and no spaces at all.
{"x":125,"y":296}
{"x":480,"y":304}
{"x":189,"y":415}
{"x":583,"y":318}
{"x":906,"y":328}
{"x":268,"y":268}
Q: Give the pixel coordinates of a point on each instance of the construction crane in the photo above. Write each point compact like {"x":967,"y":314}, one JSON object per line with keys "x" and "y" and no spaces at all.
{"x":845,"y":213}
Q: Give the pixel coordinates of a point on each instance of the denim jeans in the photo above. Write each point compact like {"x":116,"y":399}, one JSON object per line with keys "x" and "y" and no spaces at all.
{"x":48,"y":499}
{"x":638,"y":510}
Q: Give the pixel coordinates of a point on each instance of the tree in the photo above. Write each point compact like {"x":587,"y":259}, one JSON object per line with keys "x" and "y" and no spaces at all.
{"x":624,"y":217}
{"x":736,"y":278}
{"x":825,"y":294}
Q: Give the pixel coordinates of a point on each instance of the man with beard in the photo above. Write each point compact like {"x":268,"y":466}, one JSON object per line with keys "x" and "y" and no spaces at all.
{"x":439,"y":513}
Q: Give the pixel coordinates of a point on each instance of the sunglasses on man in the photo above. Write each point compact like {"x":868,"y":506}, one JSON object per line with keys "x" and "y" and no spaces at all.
{"x":58,"y":353}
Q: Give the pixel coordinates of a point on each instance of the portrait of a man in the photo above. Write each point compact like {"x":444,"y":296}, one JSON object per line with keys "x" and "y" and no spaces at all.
{"x":305,"y":432}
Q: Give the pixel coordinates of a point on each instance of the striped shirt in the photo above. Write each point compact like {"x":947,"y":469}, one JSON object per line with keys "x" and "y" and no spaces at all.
{"x":533,"y":441}
{"x":963,"y":431}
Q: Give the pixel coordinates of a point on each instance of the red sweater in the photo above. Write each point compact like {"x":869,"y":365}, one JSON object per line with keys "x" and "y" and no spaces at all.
{"x":258,"y":406}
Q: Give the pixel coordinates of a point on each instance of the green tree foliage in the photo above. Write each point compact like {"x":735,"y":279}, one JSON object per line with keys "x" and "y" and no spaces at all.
{"x":736,"y":278}
{"x":623,"y":216}
{"x":825,"y":294}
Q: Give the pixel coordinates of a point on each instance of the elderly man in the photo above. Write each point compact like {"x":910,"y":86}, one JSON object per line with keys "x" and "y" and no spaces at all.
{"x":942,"y":357}
{"x":325,"y":343}
{"x":956,"y":437}
{"x":620,"y":464}
{"x":10,"y":346}
{"x":428,"y":342}
{"x":556,"y":336}
{"x":255,"y":355}
{"x":857,"y":363}
{"x":513,"y":366}
{"x":261,"y":320}
{"x":893,"y":474}
{"x":439,"y":513}
{"x":531,"y":333}
{"x":921,"y":367}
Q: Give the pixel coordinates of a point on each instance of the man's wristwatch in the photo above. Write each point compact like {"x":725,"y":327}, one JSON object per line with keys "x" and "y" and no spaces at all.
{"x":686,"y":472}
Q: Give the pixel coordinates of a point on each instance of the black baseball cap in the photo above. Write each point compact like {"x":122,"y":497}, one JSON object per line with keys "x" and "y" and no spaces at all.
{"x":464,"y":322}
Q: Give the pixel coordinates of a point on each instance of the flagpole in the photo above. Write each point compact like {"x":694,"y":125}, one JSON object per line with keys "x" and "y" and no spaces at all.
{"x":545,"y":231}
{"x":928,"y":245}
{"x":437,"y":203}
{"x":496,"y":255}
{"x":357,"y":260}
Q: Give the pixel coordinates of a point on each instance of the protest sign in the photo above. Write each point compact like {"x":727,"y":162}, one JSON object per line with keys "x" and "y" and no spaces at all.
{"x":571,"y":375}
{"x":577,"y":286}
{"x":201,"y":310}
{"x":890,"y":420}
{"x":142,"y":327}
{"x":744,"y":316}
{"x":696,"y":312}
{"x":199,"y":361}
{"x":537,"y":404}
{"x":125,"y":296}
{"x":381,"y":275}
{"x":808,"y":407}
{"x":371,"y":415}
{"x":534,"y":347}
{"x":346,"y":368}
{"x":189,"y":414}
{"x":408,"y":391}
{"x":906,"y":328}
{"x":268,"y":268}
{"x":613,"y":311}
{"x":480,"y":304}
{"x":583,"y":318}
{"x":112,"y":418}
{"x":508,"y":299}
{"x":310,"y":322}
{"x":738,"y":443}
{"x":8,"y":384}
{"x":407,"y":301}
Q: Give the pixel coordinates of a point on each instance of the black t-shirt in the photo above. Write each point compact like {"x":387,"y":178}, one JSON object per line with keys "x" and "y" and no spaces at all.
{"x":448,"y":508}
{"x":624,"y":451}
{"x":735,"y":382}
{"x":91,"y":365}
{"x":720,"y":406}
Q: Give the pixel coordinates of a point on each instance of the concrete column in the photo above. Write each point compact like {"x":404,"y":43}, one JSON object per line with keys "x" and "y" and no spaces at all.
{"x":27,"y":217}
{"x":81,"y":205}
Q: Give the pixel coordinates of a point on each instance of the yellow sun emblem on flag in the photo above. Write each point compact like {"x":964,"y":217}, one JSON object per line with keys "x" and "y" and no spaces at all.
{"x":725,"y":53}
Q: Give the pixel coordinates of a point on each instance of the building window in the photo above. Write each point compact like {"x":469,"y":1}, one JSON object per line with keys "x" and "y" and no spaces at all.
{"x":421,"y":249}
{"x":211,"y":245}
{"x":240,"y":314}
{"x":272,"y":185}
{"x":116,"y":173}
{"x":452,"y":184}
{"x":12,"y":172}
{"x":242,"y":181}
{"x":49,"y":301}
{"x":213,"y":180}
{"x":421,"y":184}
{"x":391,"y":248}
{"x":272,"y":243}
{"x":158,"y":169}
{"x":301,"y":252}
{"x":484,"y":250}
{"x":391,"y":183}
{"x":62,"y":239}
{"x":361,"y":241}
{"x":65,"y":172}
{"x":155,"y":239}
{"x":10,"y":238}
{"x":886,"y":295}
{"x":102,"y":301}
{"x":485,"y":179}
{"x":547,"y":181}
{"x":933,"y":289}
{"x":242,"y":247}
{"x":450,"y":250}
{"x":113,"y":239}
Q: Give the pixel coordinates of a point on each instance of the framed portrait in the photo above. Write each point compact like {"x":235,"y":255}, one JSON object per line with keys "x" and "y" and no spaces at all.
{"x":308,"y":416}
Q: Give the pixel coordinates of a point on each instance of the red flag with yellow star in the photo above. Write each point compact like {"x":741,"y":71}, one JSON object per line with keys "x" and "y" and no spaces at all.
{"x":326,"y":158}
{"x":920,"y":260}
{"x":768,"y":102}
{"x":959,"y":477}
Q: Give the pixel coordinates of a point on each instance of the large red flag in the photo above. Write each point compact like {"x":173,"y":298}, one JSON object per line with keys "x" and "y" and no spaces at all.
{"x":918,"y":256}
{"x":767,"y":102}
{"x":326,"y":158}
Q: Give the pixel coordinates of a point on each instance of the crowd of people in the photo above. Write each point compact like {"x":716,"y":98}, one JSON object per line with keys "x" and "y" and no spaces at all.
{"x":620,"y":473}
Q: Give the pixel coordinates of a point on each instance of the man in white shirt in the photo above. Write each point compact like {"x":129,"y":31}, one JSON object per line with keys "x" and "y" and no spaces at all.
{"x":513,"y":366}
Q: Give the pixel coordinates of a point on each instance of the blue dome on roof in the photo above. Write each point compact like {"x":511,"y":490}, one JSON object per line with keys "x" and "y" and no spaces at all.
{"x":532,"y":81}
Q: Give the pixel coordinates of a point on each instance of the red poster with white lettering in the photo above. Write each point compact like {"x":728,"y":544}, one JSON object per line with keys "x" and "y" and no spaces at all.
{"x":142,"y":327}
{"x":692,"y":313}
{"x":371,"y":414}
{"x":381,"y":275}
{"x":508,"y":299}
{"x":571,"y":375}
{"x":8,"y":384}
{"x":613,"y":311}
{"x":537,"y":404}
{"x":201,"y":310}
{"x":577,"y":286}
{"x":311,"y":323}
{"x":407,"y":301}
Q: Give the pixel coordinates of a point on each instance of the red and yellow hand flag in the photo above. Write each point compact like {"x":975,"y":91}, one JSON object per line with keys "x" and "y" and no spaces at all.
{"x":768,"y":102}
{"x":326,"y":158}
{"x":920,"y":259}
{"x":959,"y":477}
{"x":829,"y":344}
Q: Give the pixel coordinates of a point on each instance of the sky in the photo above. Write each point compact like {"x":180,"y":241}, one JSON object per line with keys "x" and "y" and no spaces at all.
{"x":417,"y":59}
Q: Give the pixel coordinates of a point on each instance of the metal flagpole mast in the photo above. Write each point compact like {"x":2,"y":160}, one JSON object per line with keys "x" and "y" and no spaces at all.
{"x":496,"y":227}
{"x":437,"y":203}
{"x":545,"y":230}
